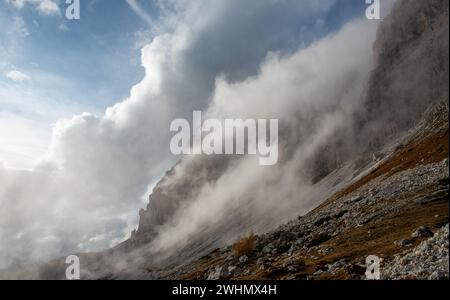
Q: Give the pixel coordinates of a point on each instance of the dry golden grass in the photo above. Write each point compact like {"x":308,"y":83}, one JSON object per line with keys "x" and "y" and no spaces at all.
{"x":245,"y":246}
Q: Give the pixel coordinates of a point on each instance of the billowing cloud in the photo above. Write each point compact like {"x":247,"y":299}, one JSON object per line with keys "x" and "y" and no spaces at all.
{"x":84,"y":194}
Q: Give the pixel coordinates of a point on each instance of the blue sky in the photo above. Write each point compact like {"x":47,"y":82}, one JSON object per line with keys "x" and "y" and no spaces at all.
{"x":53,"y":68}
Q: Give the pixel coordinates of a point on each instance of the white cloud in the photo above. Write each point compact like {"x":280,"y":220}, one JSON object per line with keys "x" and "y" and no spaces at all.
{"x":17,"y":76}
{"x":48,"y":7}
